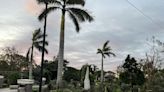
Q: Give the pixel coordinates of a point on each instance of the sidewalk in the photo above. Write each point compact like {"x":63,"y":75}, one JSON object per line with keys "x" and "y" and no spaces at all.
{"x":7,"y":90}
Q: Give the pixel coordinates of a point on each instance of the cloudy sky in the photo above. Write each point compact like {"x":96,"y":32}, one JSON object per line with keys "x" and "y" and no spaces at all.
{"x":115,"y":20}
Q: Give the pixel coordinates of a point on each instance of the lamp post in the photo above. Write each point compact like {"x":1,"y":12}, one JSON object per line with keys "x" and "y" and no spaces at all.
{"x":41,"y":72}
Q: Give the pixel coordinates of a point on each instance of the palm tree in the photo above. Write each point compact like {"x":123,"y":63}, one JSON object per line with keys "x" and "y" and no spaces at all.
{"x":42,"y":16}
{"x":36,"y":43}
{"x":77,"y":15}
{"x":105,"y":51}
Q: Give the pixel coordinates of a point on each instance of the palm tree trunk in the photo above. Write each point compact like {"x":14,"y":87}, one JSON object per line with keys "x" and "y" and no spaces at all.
{"x":30,"y":64}
{"x":61,"y":52}
{"x":44,"y":37}
{"x":102,"y":74}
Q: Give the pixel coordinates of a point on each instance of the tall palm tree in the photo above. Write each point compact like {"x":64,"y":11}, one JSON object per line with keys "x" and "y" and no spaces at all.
{"x":36,"y":43}
{"x":42,"y":16}
{"x":77,"y":15}
{"x":105,"y":51}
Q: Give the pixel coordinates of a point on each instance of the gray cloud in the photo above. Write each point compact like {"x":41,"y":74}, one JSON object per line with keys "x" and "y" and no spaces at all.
{"x":115,"y":20}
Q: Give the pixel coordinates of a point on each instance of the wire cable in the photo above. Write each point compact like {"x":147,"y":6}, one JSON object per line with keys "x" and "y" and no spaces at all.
{"x":148,"y":17}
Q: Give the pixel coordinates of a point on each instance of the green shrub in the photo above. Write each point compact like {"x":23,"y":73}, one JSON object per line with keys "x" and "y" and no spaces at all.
{"x":52,"y":84}
{"x":12,"y":78}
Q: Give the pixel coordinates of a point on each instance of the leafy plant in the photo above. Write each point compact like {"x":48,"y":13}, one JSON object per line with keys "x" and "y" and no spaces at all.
{"x":12,"y":78}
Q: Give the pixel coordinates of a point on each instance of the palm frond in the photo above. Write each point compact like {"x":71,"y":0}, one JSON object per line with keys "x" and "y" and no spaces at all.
{"x":82,"y":15}
{"x":105,"y":44}
{"x":106,"y":49}
{"x":99,"y":51}
{"x":41,"y":1}
{"x":46,"y":1}
{"x":107,"y":54}
{"x":58,"y":3}
{"x":36,"y":33}
{"x":111,"y":53}
{"x":39,"y":37}
{"x":40,"y":43}
{"x":40,"y":48}
{"x":46,"y":51}
{"x":76,"y":2}
{"x":27,"y":55}
{"x":46,"y":11}
{"x":75,"y":21}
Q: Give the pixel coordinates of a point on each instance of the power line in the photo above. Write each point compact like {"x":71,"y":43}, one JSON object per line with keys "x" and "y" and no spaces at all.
{"x":148,"y":17}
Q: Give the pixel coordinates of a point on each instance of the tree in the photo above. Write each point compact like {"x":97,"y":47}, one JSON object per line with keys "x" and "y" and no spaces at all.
{"x":105,"y":51}
{"x":49,"y":69}
{"x":153,"y":61}
{"x":77,"y":15}
{"x":132,"y":73}
{"x":52,"y":66}
{"x":36,"y":43}
{"x":4,"y":65}
{"x":71,"y":74}
{"x":11,"y":60}
{"x":157,"y":82}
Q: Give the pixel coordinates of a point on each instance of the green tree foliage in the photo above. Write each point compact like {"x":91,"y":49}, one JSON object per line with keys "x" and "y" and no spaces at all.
{"x":12,"y":78}
{"x":4,"y":66}
{"x":132,"y":73}
{"x":71,"y":74}
{"x":11,"y":64}
{"x":49,"y":70}
{"x":110,"y":76}
{"x":11,"y":60}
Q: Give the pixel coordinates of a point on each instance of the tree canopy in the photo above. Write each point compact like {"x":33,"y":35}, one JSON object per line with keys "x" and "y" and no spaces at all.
{"x":132,"y":73}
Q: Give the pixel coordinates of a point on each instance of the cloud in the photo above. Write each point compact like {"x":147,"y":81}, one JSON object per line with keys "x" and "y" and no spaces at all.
{"x":115,"y":20}
{"x":33,"y":7}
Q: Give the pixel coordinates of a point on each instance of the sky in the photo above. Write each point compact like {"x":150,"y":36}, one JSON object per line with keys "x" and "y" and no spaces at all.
{"x":115,"y":20}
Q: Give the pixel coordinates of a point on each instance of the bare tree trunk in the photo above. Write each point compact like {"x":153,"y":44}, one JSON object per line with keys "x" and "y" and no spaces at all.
{"x":61,"y":52}
{"x":102,"y":74}
{"x":30,"y":64}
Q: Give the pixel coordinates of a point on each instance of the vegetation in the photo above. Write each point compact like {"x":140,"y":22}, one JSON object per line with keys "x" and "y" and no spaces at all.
{"x":105,"y":51}
{"x":11,"y":60}
{"x":133,"y":75}
{"x":12,"y":78}
{"x":12,"y":64}
{"x":77,"y":15}
{"x":36,"y":43}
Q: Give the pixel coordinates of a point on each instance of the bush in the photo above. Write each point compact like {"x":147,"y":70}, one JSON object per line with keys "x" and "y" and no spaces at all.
{"x":12,"y":78}
{"x":52,"y":84}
